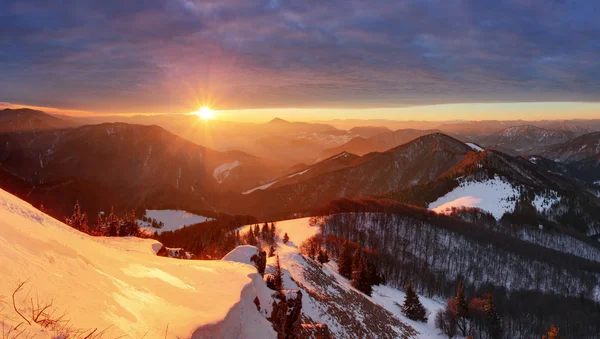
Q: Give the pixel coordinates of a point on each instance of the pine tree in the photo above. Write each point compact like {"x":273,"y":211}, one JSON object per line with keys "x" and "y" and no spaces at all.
{"x":492,"y":320}
{"x":256,"y":231}
{"x":271,"y":251}
{"x":273,"y":230}
{"x":278,"y":276}
{"x":265,"y":231}
{"x":112,"y":224}
{"x":286,"y":238}
{"x":360,"y":275}
{"x":78,"y":220}
{"x":345,"y":261}
{"x":462,"y":309}
{"x":100,"y":225}
{"x":323,"y":257}
{"x":260,"y":261}
{"x":412,"y":308}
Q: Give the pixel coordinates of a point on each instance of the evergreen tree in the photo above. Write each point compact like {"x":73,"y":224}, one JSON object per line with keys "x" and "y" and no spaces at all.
{"x":256,"y":231}
{"x":129,"y":226}
{"x":260,"y":261}
{"x":112,"y":224}
{"x":265,"y":231}
{"x":462,"y":309}
{"x":323,"y":257}
{"x":250,"y":238}
{"x":78,"y":220}
{"x":286,"y":238}
{"x":278,"y":276}
{"x":345,"y":261}
{"x":100,"y":229}
{"x":273,"y":229}
{"x":492,"y":320}
{"x":412,"y":308}
{"x":271,"y":251}
{"x":360,"y":276}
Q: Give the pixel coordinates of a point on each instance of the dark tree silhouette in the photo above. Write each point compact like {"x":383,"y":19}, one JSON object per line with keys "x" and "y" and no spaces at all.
{"x":412,"y":308}
{"x":345,"y":261}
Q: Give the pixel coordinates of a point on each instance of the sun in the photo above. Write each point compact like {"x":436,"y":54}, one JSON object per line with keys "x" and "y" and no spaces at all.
{"x":205,"y":113}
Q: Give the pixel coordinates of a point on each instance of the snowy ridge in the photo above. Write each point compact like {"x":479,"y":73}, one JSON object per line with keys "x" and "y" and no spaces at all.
{"x":328,"y":298}
{"x":265,"y":186}
{"x":119,"y":284}
{"x":475,"y":147}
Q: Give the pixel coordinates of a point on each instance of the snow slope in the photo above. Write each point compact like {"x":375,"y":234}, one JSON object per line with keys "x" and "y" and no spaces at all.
{"x":119,"y":285}
{"x":173,"y":220}
{"x":222,"y":171}
{"x":494,"y":196}
{"x":267,"y":185}
{"x":475,"y":147}
{"x":329,"y":298}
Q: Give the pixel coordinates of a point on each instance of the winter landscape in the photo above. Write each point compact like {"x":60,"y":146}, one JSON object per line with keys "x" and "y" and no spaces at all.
{"x":178,"y":169}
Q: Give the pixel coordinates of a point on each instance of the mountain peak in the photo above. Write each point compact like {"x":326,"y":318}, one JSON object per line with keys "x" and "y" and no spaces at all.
{"x":278,"y":121}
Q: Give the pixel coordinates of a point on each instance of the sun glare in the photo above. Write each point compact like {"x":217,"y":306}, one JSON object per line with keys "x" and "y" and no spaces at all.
{"x":205,"y":113}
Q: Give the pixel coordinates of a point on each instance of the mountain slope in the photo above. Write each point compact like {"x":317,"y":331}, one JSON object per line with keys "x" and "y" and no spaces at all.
{"x":377,"y":143}
{"x":29,"y":120}
{"x":585,"y":146}
{"x":414,"y":163}
{"x":123,"y":155}
{"x":119,"y":286}
{"x":524,"y":139}
{"x":328,"y":298}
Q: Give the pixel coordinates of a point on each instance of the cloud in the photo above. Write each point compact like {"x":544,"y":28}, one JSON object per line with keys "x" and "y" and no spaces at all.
{"x":167,"y":56}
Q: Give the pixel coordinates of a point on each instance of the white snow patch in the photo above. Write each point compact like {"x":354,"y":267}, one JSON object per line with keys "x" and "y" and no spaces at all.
{"x":241,"y":254}
{"x":474,"y":147}
{"x":222,"y":172}
{"x":265,"y":186}
{"x":119,"y":285}
{"x":544,"y":202}
{"x":493,"y":196}
{"x":173,"y":220}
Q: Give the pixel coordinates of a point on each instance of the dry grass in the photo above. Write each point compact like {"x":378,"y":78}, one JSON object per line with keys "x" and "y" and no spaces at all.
{"x":45,"y":315}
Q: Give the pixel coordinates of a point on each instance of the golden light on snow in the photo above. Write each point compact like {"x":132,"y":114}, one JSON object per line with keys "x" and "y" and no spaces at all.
{"x":205,"y":113}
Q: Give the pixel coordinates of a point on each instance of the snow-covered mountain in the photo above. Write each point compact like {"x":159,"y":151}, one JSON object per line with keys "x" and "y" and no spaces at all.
{"x":119,"y":286}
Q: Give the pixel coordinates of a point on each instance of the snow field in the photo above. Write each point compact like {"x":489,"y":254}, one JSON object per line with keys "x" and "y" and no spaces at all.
{"x":173,"y":220}
{"x":118,"y":284}
{"x":493,"y":196}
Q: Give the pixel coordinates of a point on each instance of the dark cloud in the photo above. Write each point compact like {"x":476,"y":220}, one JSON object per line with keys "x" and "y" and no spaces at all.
{"x":159,"y":55}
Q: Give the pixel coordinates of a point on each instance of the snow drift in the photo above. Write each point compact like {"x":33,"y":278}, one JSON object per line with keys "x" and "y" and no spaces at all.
{"x":119,"y":285}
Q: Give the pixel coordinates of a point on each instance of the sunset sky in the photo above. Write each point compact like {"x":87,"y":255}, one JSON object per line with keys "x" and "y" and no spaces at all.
{"x":303,"y":60}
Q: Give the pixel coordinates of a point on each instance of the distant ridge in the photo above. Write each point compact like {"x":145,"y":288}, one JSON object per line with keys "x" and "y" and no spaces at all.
{"x":278,"y":121}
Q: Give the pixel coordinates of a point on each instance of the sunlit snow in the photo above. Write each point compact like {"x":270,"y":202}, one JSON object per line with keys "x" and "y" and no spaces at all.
{"x":494,"y":196}
{"x":173,"y":220}
{"x":474,"y":147}
{"x":119,"y":285}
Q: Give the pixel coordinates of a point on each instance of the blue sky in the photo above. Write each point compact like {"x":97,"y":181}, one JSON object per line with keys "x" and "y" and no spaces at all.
{"x":173,"y":56}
